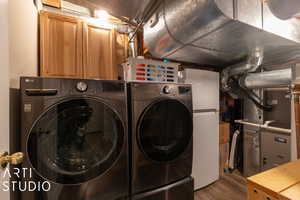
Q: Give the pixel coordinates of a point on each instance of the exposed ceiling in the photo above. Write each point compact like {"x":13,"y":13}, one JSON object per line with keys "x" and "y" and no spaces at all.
{"x":120,"y":8}
{"x":84,"y":3}
{"x":123,"y":8}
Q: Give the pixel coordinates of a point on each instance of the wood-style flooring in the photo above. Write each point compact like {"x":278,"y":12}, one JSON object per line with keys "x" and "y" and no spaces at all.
{"x":229,"y":187}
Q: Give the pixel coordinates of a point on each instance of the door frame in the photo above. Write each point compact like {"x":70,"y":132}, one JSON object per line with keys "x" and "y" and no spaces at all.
{"x":4,"y":87}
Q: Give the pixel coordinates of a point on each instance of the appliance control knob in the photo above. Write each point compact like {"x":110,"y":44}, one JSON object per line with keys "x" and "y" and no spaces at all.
{"x":166,"y":90}
{"x":81,"y":86}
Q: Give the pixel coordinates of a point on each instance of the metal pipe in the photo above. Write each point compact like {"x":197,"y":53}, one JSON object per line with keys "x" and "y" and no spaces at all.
{"x":251,"y":65}
{"x":284,"y":9}
{"x":132,"y":45}
{"x":264,"y":126}
{"x":277,"y":89}
{"x":152,"y":7}
{"x":270,"y":79}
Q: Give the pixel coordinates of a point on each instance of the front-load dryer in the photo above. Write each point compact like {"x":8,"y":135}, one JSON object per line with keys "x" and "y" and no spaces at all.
{"x":161,"y":134}
{"x":180,"y":190}
{"x":74,"y":136}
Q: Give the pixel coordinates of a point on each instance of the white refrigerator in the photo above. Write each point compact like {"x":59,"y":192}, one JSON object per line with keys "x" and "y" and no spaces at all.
{"x":206,"y":92}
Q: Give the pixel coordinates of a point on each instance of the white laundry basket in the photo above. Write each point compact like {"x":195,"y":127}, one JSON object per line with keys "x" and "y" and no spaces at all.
{"x":143,"y":70}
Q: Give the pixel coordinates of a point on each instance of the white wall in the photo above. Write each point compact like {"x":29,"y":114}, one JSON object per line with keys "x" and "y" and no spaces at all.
{"x":23,"y":43}
{"x":4,"y":85}
{"x":18,"y":57}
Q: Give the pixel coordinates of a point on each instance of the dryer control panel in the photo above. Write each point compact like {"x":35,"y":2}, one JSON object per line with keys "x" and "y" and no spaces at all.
{"x":184,"y":89}
{"x":142,"y":91}
{"x":166,"y":89}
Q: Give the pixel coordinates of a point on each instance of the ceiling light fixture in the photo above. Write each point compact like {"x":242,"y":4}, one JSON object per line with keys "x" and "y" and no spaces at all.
{"x":102,"y":14}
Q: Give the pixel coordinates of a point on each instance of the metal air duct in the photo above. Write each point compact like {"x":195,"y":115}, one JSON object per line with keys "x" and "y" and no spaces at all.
{"x":269,"y":79}
{"x":220,"y":32}
{"x":251,"y":65}
{"x":284,"y":9}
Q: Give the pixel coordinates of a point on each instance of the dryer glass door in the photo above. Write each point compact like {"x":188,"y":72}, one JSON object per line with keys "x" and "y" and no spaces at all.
{"x":75,"y":141}
{"x":165,"y":130}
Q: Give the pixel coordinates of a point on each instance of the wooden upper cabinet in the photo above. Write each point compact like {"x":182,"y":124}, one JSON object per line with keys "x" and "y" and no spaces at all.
{"x":53,"y":3}
{"x":121,"y":48}
{"x":73,"y":48}
{"x":99,"y":53}
{"x":61,"y":46}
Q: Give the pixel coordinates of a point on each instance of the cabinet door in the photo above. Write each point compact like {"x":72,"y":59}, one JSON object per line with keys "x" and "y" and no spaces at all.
{"x":61,"y":46}
{"x":122,"y":48}
{"x":54,"y":3}
{"x":255,"y":194}
{"x":99,"y":53}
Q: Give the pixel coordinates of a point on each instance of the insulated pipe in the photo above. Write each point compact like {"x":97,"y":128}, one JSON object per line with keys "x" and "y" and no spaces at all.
{"x":264,"y":126}
{"x":270,"y":79}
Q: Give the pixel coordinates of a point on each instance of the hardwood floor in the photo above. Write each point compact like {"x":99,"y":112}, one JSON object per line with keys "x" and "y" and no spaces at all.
{"x":230,"y":187}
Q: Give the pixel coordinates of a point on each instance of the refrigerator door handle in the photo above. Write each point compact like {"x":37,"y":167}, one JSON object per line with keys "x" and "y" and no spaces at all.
{"x":205,"y":110}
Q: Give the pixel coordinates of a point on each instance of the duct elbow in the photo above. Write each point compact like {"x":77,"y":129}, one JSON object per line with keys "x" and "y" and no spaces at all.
{"x":251,"y":65}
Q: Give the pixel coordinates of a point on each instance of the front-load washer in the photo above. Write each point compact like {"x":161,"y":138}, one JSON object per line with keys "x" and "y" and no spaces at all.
{"x":74,"y":136}
{"x":161,"y":134}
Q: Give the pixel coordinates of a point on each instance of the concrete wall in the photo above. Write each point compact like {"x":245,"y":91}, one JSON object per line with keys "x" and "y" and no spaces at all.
{"x":23,"y":43}
{"x":4,"y":85}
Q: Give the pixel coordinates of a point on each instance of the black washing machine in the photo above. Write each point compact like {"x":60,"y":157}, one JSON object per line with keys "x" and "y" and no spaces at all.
{"x":161,"y":134}
{"x":74,"y":136}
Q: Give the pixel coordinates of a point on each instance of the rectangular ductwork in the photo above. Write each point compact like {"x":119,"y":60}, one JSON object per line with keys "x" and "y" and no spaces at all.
{"x":221,"y":32}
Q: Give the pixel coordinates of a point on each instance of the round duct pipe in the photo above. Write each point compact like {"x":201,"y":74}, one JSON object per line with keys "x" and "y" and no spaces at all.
{"x":284,"y":9}
{"x":269,"y":79}
{"x":251,"y":65}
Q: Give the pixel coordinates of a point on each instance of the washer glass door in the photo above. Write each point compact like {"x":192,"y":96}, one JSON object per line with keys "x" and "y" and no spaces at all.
{"x":165,"y":130}
{"x":75,"y":141}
